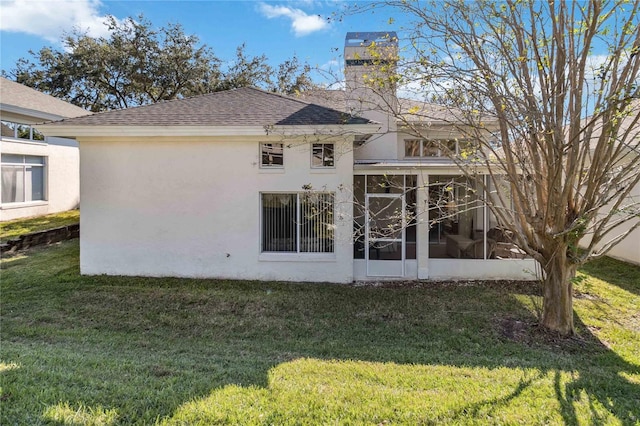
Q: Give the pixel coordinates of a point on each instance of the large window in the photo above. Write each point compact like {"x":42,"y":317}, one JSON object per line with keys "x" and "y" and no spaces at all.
{"x":272,"y":155}
{"x":20,"y":131}
{"x":431,"y":148}
{"x":23,"y":178}
{"x":322,"y":155}
{"x":297,"y":222}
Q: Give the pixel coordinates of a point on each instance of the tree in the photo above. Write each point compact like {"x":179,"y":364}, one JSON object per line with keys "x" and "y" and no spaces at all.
{"x":291,"y":76}
{"x":135,"y":65}
{"x":559,"y":81}
{"x":138,"y":64}
{"x":247,"y":71}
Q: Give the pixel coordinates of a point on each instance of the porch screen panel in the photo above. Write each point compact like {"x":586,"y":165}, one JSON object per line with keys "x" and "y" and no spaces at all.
{"x":316,"y":223}
{"x":279,"y":228}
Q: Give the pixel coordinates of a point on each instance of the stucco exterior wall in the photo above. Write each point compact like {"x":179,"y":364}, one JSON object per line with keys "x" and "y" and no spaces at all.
{"x":62,"y":179}
{"x":628,"y":249}
{"x":190,"y":207}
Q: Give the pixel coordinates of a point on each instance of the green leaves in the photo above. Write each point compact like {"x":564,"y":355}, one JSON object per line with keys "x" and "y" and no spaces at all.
{"x":139,"y":64}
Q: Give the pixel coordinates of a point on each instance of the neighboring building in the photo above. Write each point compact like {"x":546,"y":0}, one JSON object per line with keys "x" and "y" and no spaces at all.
{"x":40,"y":174}
{"x":628,"y":249}
{"x":247,"y":184}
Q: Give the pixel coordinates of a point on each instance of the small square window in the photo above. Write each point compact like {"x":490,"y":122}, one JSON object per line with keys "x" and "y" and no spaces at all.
{"x":322,"y":155}
{"x":37,"y":136}
{"x":448,"y":147}
{"x":431,"y":149}
{"x":272,"y":155}
{"x":412,"y":148}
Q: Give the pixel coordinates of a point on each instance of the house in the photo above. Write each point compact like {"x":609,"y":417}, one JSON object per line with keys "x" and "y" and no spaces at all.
{"x":40,"y":174}
{"x":246,"y":184}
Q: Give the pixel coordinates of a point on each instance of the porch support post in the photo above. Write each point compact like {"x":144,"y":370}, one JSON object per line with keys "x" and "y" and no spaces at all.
{"x":422,"y":226}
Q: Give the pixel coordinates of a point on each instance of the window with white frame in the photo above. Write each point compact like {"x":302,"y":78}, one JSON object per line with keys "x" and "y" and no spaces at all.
{"x":432,"y":148}
{"x":272,"y":155}
{"x":322,"y":155}
{"x":297,"y":222}
{"x":23,"y":178}
{"x":14,"y":130}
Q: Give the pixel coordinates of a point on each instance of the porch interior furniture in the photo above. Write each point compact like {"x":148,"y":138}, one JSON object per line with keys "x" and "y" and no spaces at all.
{"x":505,"y":247}
{"x":476,"y":250}
{"x":456,"y":244}
{"x":509,"y":251}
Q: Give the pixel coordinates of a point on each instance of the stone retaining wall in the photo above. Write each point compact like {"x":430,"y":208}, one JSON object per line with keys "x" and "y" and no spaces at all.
{"x":40,"y":238}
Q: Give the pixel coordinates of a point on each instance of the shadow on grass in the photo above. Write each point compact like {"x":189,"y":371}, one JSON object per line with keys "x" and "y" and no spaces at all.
{"x":169,"y":348}
{"x":606,"y":386}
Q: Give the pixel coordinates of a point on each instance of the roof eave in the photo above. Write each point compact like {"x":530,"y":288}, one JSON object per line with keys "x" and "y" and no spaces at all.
{"x":75,"y":131}
{"x":32,"y":113}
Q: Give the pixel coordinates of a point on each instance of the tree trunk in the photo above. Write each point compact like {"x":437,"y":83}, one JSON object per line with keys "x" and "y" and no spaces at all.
{"x":557,"y":311}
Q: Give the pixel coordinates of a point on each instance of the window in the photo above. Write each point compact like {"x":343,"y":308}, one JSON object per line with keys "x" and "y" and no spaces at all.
{"x":322,"y":155}
{"x":413,"y":148}
{"x":297,"y":222}
{"x":421,"y":148}
{"x":20,"y":131}
{"x":22,"y":178}
{"x":272,"y":155}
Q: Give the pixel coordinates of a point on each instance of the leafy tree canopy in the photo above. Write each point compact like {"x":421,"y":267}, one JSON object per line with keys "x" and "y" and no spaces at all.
{"x":139,"y":64}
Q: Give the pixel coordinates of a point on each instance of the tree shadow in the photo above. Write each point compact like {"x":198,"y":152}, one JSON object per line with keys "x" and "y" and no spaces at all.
{"x":596,"y":372}
{"x":208,"y":335}
{"x":602,"y":385}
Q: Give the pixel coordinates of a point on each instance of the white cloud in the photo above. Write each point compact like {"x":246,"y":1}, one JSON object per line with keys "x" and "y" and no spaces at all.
{"x":301,"y":23}
{"x":330,"y":65}
{"x":50,"y":19}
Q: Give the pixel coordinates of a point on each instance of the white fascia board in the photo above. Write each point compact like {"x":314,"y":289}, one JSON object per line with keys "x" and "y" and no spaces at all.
{"x":32,"y":113}
{"x":74,"y":131}
{"x":392,"y":167}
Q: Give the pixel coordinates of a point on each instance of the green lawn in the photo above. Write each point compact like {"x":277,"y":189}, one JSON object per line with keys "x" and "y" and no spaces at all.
{"x":15,"y":228}
{"x":116,"y":350}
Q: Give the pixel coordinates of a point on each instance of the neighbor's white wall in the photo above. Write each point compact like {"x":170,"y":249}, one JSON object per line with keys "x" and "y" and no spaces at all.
{"x":628,"y":249}
{"x":62,"y":178}
{"x":191,"y":207}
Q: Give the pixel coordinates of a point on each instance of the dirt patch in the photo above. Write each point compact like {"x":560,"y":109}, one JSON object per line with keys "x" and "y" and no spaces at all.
{"x":585,"y":296}
{"x":532,"y":334}
{"x":514,"y":329}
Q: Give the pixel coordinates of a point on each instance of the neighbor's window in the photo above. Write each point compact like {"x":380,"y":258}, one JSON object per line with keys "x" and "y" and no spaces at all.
{"x":322,"y":155}
{"x":20,"y":131}
{"x":22,"y":178}
{"x":297,"y":222}
{"x":272,"y":155}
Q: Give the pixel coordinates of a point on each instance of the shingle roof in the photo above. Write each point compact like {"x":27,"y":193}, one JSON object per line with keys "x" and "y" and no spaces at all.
{"x":18,"y":95}
{"x":237,"y":107}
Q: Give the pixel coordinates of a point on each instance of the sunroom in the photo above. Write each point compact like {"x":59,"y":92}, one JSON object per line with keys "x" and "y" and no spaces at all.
{"x":413,"y":221}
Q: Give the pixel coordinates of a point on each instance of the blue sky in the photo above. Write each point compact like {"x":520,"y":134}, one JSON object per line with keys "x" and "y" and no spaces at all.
{"x":278,"y":29}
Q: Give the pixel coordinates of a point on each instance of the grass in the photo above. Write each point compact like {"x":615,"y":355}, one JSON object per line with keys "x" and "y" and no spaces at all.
{"x":116,"y":350}
{"x":15,"y":228}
